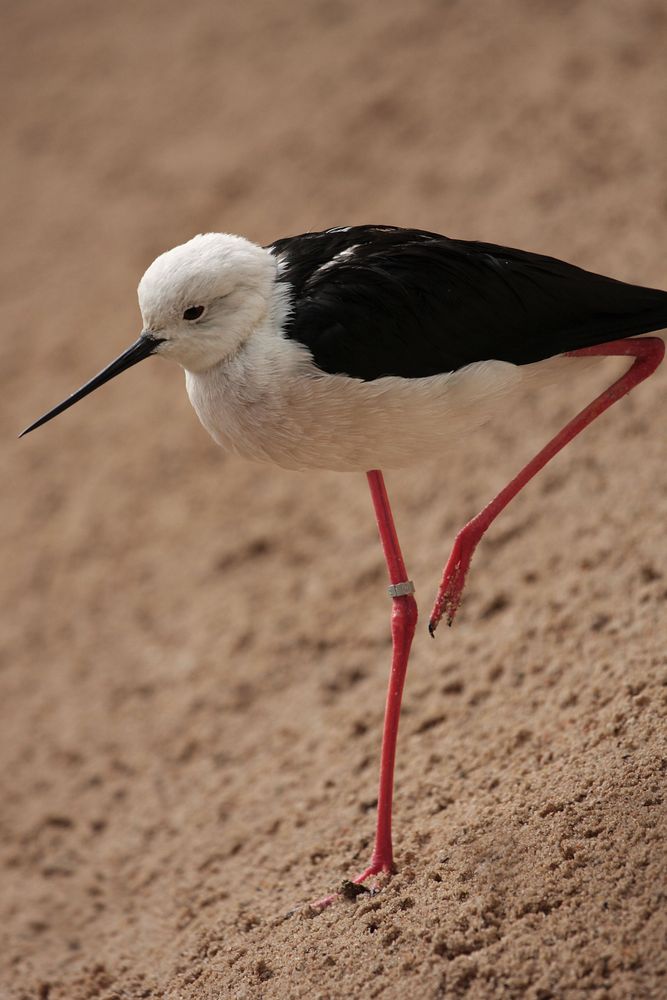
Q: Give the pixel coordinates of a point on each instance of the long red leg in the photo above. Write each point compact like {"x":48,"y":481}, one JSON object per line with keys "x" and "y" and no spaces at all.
{"x":403,"y":623}
{"x":648,"y":353}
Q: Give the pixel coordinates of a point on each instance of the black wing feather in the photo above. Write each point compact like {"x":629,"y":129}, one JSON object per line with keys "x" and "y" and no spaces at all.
{"x":412,"y":303}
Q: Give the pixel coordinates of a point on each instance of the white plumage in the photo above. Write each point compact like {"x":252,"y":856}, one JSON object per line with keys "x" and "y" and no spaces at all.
{"x":376,"y":347}
{"x":259,"y":394}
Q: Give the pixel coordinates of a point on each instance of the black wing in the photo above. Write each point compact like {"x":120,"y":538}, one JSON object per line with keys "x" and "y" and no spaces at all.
{"x":378,"y":300}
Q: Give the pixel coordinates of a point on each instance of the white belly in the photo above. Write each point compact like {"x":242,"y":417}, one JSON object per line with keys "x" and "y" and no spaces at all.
{"x":282,"y":410}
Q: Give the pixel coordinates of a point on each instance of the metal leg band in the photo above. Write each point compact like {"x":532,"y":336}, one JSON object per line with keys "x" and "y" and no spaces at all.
{"x":401,"y":589}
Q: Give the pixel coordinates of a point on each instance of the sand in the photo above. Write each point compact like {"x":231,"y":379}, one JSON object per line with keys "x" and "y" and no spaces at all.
{"x":194,"y":649}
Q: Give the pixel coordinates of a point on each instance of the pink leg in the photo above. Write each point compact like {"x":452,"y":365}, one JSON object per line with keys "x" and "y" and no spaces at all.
{"x":403,"y":623}
{"x":648,"y":353}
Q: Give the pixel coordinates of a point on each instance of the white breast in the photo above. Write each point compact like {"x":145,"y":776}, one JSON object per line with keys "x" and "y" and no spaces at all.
{"x":270,"y":403}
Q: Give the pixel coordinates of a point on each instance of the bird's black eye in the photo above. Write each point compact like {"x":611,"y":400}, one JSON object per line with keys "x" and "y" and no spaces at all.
{"x":194,"y":312}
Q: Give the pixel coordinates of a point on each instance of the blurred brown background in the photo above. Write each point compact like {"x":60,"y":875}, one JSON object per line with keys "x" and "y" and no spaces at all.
{"x":194,"y":649}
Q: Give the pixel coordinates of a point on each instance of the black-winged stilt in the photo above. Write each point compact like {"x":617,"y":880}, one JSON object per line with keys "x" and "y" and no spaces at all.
{"x":369,"y":347}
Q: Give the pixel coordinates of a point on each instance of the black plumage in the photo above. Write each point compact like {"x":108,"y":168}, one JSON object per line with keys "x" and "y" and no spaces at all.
{"x":371,"y":301}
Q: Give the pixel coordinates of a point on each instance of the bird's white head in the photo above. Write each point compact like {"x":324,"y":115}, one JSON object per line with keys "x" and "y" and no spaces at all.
{"x":201,"y":300}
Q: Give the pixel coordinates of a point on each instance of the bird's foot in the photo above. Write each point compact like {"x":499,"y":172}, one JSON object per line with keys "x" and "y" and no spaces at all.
{"x":351,"y":888}
{"x":453,"y":581}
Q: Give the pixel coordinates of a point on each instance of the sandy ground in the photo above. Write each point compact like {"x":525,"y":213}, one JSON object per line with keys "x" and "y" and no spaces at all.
{"x":194,"y":650}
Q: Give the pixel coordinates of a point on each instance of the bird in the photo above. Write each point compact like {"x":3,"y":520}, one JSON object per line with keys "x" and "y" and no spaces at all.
{"x":363,"y":348}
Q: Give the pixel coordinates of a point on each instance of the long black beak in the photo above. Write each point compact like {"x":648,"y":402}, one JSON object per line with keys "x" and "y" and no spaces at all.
{"x":139,"y":350}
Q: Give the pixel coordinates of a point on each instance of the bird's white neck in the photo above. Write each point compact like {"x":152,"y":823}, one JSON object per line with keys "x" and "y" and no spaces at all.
{"x":250,"y":384}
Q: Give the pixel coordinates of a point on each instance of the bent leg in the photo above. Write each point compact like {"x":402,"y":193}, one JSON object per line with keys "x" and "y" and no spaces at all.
{"x":648,"y":352}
